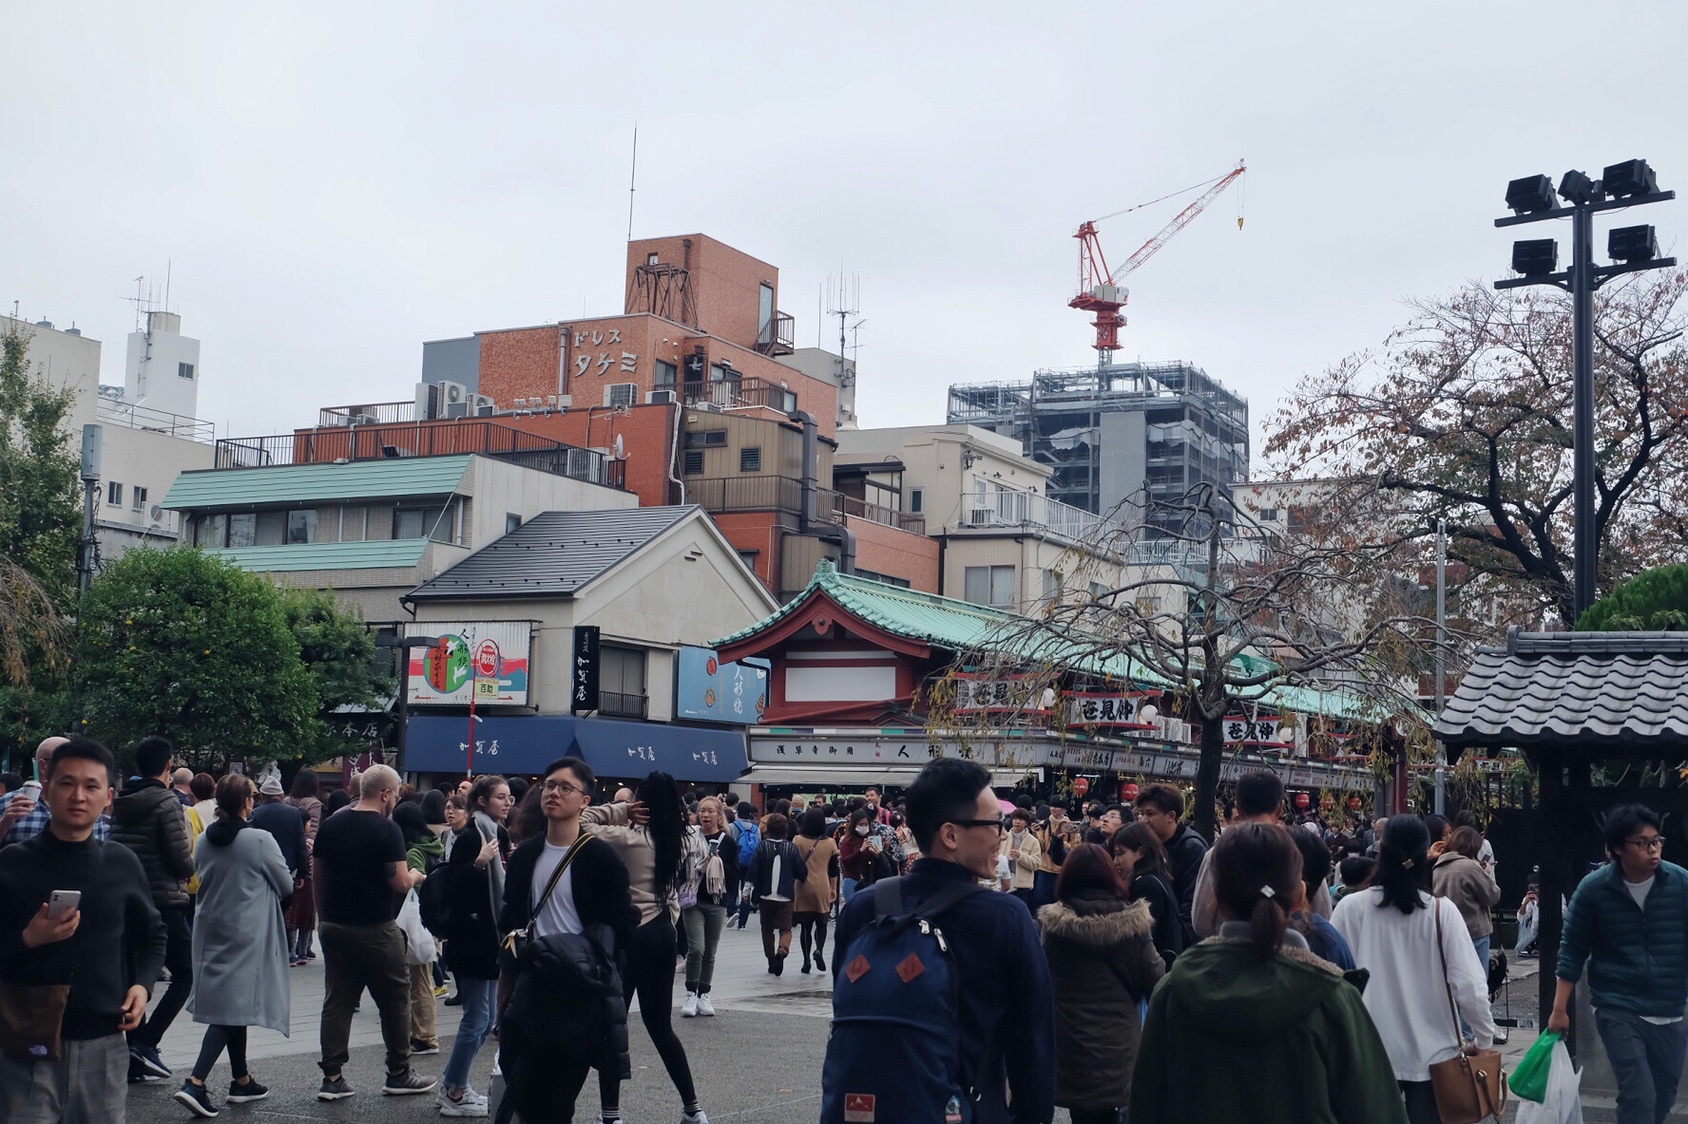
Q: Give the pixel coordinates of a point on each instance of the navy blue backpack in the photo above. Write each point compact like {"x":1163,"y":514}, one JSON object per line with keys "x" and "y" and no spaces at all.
{"x":894,"y":1053}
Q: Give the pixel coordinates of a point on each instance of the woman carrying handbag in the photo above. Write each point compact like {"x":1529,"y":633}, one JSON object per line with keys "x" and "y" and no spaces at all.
{"x":1422,"y":964}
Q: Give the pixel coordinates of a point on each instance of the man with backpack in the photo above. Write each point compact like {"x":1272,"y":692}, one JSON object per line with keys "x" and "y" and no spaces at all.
{"x":950,"y":981}
{"x":747,"y":833}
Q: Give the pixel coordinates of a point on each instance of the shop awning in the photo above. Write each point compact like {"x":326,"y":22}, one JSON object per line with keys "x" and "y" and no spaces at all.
{"x":825,"y":774}
{"x":525,"y":744}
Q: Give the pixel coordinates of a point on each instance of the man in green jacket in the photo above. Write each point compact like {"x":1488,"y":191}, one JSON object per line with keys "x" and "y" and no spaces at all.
{"x":1628,"y":922}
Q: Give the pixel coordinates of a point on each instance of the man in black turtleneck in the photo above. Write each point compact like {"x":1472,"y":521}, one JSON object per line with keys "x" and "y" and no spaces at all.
{"x":109,"y":949}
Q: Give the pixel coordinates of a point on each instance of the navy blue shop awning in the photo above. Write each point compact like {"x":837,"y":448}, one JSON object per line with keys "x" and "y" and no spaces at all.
{"x":525,"y":744}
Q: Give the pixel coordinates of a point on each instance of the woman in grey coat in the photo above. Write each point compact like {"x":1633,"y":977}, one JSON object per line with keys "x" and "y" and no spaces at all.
{"x":240,"y":951}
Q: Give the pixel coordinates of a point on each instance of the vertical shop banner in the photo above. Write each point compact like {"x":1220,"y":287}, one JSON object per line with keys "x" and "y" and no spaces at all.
{"x":486,"y":661}
{"x":583,"y":670}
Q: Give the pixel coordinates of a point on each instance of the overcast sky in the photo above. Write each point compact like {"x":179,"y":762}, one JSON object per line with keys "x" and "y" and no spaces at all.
{"x":332,"y":184}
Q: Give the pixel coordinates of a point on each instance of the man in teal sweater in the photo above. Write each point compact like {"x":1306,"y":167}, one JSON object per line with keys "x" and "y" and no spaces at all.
{"x":1629,"y":922}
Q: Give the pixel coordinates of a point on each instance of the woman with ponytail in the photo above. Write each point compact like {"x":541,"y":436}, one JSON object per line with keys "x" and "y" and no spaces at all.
{"x":1392,"y":927}
{"x":1250,"y":1022}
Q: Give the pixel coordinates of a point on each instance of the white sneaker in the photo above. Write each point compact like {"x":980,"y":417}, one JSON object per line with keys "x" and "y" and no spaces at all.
{"x":699,"y":1117}
{"x":704,"y":1006}
{"x":472,"y":1104}
{"x":689,"y":1008}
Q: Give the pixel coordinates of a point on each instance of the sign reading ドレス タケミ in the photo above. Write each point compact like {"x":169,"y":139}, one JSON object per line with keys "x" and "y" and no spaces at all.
{"x":483,"y":661}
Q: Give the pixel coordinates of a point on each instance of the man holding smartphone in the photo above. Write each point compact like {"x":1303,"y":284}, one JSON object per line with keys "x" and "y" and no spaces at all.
{"x":91,"y":947}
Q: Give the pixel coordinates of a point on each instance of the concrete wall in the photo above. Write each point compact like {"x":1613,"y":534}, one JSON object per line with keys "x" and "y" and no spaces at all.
{"x":499,"y":488}
{"x":71,"y":362}
{"x":934,"y":460}
{"x":151,"y":375}
{"x":1031,"y":558}
{"x":1124,"y":465}
{"x":138,"y":458}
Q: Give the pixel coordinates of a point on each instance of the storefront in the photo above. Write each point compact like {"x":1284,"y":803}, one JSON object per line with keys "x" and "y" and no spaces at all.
{"x":522,"y":745}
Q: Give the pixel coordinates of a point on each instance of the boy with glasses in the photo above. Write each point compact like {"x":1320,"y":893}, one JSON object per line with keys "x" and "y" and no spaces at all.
{"x":1629,"y":922}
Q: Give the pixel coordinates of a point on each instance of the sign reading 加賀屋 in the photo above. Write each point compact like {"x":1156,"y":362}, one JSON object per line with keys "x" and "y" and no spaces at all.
{"x":486,"y":661}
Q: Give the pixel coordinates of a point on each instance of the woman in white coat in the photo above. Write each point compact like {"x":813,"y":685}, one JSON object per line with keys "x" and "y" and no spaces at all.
{"x":1392,"y":926}
{"x":240,"y":951}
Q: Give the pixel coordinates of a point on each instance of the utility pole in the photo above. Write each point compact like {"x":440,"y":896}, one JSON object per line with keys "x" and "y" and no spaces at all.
{"x":93,"y":444}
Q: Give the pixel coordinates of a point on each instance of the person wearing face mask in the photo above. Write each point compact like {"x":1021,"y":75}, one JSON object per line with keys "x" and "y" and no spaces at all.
{"x":854,"y":853}
{"x":876,"y":807}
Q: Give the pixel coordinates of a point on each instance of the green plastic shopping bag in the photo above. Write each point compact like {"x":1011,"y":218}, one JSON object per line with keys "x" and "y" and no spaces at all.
{"x":1529,"y":1077}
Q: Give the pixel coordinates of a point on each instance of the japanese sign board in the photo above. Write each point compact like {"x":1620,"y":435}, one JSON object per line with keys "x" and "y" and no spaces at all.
{"x":583,"y":670}
{"x":1104,"y":709}
{"x":713,"y":691}
{"x":485,"y":660}
{"x":1023,"y":694}
{"x":598,"y":350}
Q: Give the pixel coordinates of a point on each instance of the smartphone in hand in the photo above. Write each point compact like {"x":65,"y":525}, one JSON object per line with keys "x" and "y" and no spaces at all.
{"x":62,"y":902}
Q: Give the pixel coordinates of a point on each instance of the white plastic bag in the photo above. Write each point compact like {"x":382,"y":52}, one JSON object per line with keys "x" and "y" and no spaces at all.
{"x":1561,"y":1105}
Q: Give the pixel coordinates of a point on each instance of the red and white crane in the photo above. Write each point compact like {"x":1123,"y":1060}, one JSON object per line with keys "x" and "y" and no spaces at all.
{"x":1099,"y":288}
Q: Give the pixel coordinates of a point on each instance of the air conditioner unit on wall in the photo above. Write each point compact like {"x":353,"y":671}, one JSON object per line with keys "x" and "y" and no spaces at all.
{"x":662,"y":397}
{"x":621,"y":394}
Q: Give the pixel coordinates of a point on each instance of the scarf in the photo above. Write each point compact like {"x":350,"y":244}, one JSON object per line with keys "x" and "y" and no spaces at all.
{"x":488,"y":830}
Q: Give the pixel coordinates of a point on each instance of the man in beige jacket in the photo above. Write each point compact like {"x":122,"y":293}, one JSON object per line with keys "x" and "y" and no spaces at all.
{"x":1024,"y":853}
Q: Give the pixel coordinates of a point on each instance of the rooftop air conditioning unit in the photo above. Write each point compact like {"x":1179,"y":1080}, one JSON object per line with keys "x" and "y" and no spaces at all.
{"x":621,"y":394}
{"x":456,"y":410}
{"x":155,"y":513}
{"x":485,"y":409}
{"x":662,"y":397}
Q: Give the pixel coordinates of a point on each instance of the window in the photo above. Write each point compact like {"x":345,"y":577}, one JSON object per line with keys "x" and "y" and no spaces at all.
{"x":888,"y":579}
{"x":706,"y":439}
{"x":989,"y":585}
{"x":666,"y":374}
{"x":651,"y":259}
{"x":242,"y":529}
{"x":1052,"y":586}
{"x":750,"y":460}
{"x":749,"y":557}
{"x":765,"y":314}
{"x":621,"y":682}
{"x":423,"y":523}
{"x":511,"y":521}
{"x":1268,"y":515}
{"x":301,"y":526}
{"x":138,"y":498}
{"x":694,"y":462}
{"x":916,"y":500}
{"x":114,"y":494}
{"x":1148,"y":606}
{"x":184,"y":370}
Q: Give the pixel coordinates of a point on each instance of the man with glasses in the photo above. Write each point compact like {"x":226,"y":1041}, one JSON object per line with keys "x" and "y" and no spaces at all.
{"x":549,"y":1041}
{"x":1007,"y":1031}
{"x":1629,"y":922}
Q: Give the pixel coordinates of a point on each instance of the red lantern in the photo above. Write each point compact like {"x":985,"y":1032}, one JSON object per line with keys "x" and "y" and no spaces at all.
{"x":1303,"y":801}
{"x":1081,"y":785}
{"x":1128,"y":792}
{"x":1355,"y":803}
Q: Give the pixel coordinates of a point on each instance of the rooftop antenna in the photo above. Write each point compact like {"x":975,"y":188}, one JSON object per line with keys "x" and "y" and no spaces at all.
{"x":844,"y":311}
{"x":169,"y":266}
{"x":632,"y":181}
{"x":138,"y":300}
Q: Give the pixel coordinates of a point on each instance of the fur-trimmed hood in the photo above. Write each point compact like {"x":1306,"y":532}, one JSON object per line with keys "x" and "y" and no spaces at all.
{"x":1093,"y":927}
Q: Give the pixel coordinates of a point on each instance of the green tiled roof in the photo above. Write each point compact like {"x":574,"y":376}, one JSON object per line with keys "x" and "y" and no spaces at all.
{"x":379,"y":555}
{"x":315,"y":483}
{"x":945,"y":622}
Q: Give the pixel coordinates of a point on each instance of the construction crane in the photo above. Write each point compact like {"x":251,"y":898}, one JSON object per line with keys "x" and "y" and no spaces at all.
{"x":1099,"y":288}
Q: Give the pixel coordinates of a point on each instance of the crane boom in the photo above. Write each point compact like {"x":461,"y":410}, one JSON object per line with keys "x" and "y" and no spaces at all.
{"x":1099,"y":290}
{"x":1148,"y":249}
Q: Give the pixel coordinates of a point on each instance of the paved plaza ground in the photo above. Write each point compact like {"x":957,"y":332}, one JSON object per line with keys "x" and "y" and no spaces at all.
{"x":757,"y":1062}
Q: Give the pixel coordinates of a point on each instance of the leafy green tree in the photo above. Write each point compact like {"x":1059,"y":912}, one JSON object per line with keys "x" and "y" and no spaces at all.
{"x":40,"y":504}
{"x":339,"y":652}
{"x":178,"y":643}
{"x":1656,"y":600}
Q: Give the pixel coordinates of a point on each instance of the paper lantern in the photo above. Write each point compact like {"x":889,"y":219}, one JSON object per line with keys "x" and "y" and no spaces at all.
{"x":1081,"y":785}
{"x":1303,"y":801}
{"x":1128,"y":792}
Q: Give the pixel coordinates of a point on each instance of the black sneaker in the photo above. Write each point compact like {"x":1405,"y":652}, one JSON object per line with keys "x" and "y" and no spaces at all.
{"x":197,"y":1098}
{"x":150,"y":1063}
{"x":419,"y":1047}
{"x":334,"y":1089}
{"x":455,"y":1000}
{"x":137,"y":1075}
{"x":406,"y":1083}
{"x":251,"y":1091}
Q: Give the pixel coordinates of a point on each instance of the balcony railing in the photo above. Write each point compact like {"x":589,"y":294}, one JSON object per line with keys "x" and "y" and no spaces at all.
{"x":737,"y":393}
{"x":433,"y":439}
{"x":778,"y":335}
{"x":1029,"y":509}
{"x":885,"y":516}
{"x":146,"y":418}
{"x":372,"y":413}
{"x":748,"y":493}
{"x":615,"y":704}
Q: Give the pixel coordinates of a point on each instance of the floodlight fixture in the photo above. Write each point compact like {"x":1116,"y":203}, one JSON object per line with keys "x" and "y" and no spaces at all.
{"x":1631,"y":177}
{"x":1632,"y":244}
{"x":1576,"y":188}
{"x":1529,"y":195}
{"x":1535,"y":257}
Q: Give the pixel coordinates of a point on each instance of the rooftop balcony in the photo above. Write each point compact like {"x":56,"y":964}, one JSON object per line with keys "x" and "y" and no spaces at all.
{"x":778,"y":336}
{"x":785,"y":493}
{"x":131,"y":416}
{"x":376,"y":441}
{"x":737,"y":393}
{"x":997,"y":510}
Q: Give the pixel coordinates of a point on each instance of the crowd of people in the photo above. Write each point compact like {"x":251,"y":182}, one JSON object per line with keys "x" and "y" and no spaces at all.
{"x":1112,"y":963}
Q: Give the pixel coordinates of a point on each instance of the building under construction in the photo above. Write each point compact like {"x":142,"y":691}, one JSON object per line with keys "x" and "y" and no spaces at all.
{"x":1119,"y":434}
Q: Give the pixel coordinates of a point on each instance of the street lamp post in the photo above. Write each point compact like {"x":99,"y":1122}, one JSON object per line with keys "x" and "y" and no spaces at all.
{"x":401,"y":704}
{"x":1630,"y":183}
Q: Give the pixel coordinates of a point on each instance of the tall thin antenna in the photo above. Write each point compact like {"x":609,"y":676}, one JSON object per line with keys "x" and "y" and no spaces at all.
{"x":169,"y":267}
{"x":632,"y":181}
{"x":844,"y":311}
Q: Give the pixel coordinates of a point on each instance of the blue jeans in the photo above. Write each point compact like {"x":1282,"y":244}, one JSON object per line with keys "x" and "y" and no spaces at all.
{"x":848,"y":886}
{"x":1043,"y":888}
{"x":1481,"y":944}
{"x":478,"y":998}
{"x":1647,"y":1061}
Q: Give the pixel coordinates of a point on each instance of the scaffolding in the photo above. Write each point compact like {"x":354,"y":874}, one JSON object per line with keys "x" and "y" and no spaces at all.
{"x":1194,"y":430}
